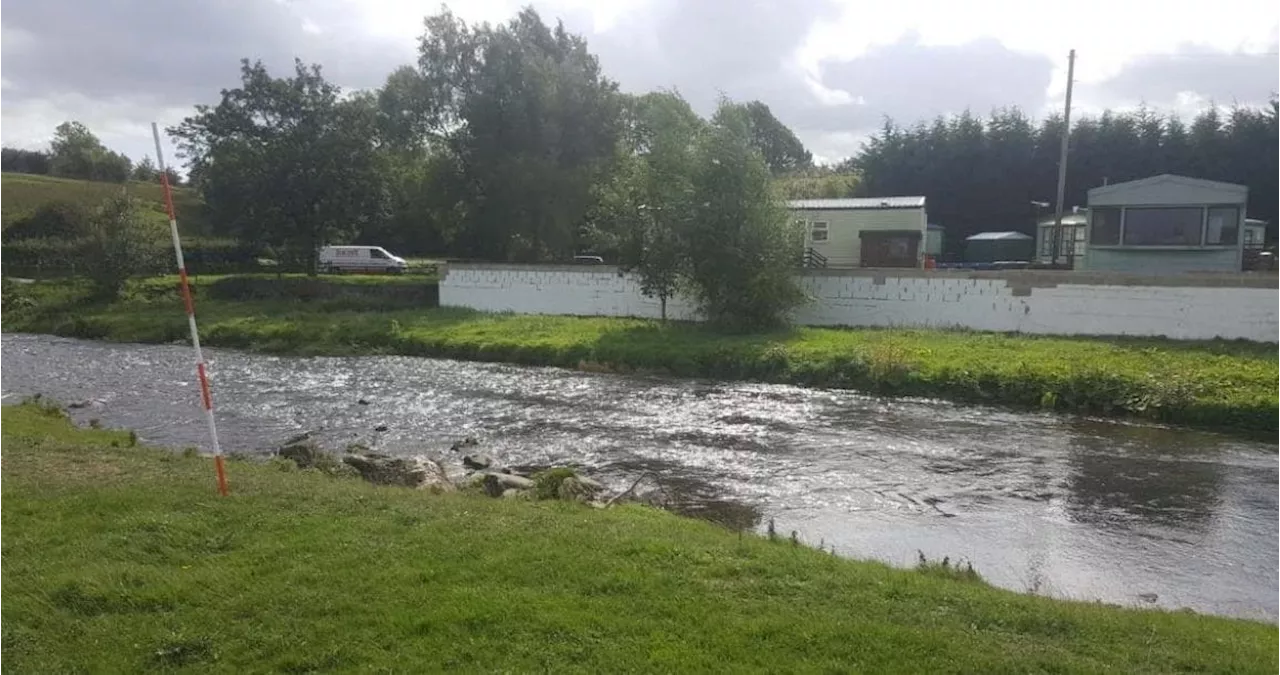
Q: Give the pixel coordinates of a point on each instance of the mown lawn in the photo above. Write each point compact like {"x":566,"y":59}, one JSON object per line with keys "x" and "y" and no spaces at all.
{"x":1230,"y":386}
{"x":123,"y":559}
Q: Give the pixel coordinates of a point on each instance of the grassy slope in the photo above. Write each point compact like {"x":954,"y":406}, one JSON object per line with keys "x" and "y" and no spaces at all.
{"x":21,"y":194}
{"x":1229,"y":385}
{"x":120,"y":559}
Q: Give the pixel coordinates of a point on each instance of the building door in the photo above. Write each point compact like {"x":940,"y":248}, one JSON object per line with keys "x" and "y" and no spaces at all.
{"x":889,"y":249}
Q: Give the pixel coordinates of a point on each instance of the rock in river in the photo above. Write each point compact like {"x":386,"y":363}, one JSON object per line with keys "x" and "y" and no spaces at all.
{"x":404,"y":471}
{"x":511,"y":480}
{"x":467,"y":442}
{"x":302,"y":450}
{"x":578,"y":489}
{"x":479,"y":461}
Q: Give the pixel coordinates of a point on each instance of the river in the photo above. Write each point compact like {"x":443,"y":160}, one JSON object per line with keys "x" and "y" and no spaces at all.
{"x":1052,"y":504}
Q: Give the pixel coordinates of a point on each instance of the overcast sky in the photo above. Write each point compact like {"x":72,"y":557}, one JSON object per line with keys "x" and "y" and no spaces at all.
{"x":830,"y":69}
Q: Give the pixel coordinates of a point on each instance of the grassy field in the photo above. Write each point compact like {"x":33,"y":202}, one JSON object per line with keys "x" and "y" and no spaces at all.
{"x":21,"y":194}
{"x":122,"y":559}
{"x":1224,"y":385}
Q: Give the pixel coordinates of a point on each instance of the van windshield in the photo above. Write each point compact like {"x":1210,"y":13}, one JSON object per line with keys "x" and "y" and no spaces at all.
{"x":378,"y":253}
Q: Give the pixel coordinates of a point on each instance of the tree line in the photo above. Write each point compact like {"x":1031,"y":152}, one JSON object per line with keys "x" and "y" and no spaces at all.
{"x":77,"y":153}
{"x":987,"y":174}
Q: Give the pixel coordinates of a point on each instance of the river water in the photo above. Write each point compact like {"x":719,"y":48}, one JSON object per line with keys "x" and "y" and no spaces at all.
{"x":1052,"y":504}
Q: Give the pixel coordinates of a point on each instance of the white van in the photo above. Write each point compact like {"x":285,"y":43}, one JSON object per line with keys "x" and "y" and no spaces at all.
{"x":359,"y":259}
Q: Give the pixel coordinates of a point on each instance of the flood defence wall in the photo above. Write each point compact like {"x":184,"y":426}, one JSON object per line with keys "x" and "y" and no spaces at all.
{"x":1183,"y":307}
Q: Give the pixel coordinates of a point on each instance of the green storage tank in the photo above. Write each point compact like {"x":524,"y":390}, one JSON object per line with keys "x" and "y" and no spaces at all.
{"x":991,"y":247}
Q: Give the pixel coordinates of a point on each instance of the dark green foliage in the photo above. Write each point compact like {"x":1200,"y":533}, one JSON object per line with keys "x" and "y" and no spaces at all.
{"x":741,"y":254}
{"x":531,"y":122}
{"x":17,"y":160}
{"x":15,"y":297}
{"x":145,"y":171}
{"x":117,"y":245}
{"x":58,"y":220}
{"x":77,"y":153}
{"x":644,"y":211}
{"x":782,"y":151}
{"x":546,"y":484}
{"x":247,"y":151}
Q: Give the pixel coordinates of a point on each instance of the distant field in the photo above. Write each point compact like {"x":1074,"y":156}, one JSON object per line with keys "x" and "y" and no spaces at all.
{"x":21,"y":194}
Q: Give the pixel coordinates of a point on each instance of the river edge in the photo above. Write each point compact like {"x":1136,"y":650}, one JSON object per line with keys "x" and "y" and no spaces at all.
{"x":52,"y":465}
{"x":1228,"y":387}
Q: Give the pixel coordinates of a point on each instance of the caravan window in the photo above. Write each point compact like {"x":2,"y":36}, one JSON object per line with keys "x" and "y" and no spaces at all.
{"x":1223,"y":224}
{"x":1178,"y":226}
{"x":818,"y":232}
{"x":1106,"y":227}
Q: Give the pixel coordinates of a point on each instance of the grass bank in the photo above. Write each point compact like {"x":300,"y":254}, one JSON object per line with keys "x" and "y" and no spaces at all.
{"x":122,"y":559}
{"x":1222,"y":385}
{"x":22,"y":194}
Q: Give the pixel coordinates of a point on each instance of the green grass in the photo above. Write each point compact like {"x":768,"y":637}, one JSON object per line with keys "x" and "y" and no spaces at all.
{"x":21,"y":194}
{"x":1222,"y":385}
{"x":123,"y":559}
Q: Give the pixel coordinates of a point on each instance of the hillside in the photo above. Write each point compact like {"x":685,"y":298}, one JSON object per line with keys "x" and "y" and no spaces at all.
{"x":21,"y":194}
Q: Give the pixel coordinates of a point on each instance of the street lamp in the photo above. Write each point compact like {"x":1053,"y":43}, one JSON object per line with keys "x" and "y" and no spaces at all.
{"x":1040,"y":205}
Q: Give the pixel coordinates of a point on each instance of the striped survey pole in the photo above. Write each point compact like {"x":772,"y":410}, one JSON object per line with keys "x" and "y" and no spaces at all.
{"x":202,"y":374}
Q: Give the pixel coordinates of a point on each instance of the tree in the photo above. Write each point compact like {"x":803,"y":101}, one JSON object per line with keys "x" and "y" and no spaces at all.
{"x":287,"y":162}
{"x":741,"y":249}
{"x":782,"y":151}
{"x":531,"y":122}
{"x":77,"y":153}
{"x":118,"y":245}
{"x":18,"y":160}
{"x":818,"y":183}
{"x":405,"y":122}
{"x":664,"y":131}
{"x":145,"y":171}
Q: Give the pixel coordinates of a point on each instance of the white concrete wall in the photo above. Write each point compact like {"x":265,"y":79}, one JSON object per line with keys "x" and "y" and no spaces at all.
{"x":573,"y":290}
{"x":1027,"y":302}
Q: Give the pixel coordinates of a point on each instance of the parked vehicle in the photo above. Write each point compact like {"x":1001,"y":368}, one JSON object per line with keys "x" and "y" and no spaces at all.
{"x":338,"y":259}
{"x":588,"y":260}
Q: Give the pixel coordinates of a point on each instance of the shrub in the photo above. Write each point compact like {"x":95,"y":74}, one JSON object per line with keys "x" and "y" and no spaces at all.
{"x":15,"y":296}
{"x":118,"y":245}
{"x":741,"y":247}
{"x":219,"y":256}
{"x":53,"y":220}
{"x":547,"y":483}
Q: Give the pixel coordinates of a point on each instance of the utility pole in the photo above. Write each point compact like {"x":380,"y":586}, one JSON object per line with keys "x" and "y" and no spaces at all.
{"x":1062,"y":157}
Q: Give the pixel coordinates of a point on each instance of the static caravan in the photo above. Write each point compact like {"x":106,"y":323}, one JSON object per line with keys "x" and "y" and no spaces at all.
{"x":1167,"y":225}
{"x":864,"y":232}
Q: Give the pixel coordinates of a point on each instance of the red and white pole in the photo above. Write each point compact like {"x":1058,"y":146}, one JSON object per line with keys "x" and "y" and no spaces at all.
{"x":201,"y":370}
